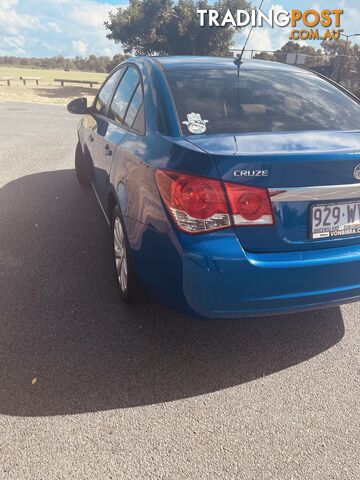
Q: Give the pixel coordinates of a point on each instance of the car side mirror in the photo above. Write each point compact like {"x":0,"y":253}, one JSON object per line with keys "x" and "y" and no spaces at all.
{"x":78,"y":106}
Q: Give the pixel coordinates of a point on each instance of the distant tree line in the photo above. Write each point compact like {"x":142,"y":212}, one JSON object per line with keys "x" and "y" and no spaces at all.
{"x":92,"y":63}
{"x":329,"y":48}
{"x":338,"y":51}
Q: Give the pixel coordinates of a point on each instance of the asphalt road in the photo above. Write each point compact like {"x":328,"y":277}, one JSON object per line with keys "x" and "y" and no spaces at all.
{"x":132,"y":393}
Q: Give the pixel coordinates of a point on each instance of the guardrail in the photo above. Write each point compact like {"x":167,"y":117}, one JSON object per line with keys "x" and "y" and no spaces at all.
{"x":29,"y":79}
{"x":84,"y":82}
{"x":6,"y":79}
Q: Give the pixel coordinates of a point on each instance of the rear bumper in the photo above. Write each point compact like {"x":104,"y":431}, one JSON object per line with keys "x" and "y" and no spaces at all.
{"x":237,"y":283}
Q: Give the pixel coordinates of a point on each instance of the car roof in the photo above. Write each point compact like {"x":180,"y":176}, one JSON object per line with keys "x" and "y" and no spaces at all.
{"x":195,"y":62}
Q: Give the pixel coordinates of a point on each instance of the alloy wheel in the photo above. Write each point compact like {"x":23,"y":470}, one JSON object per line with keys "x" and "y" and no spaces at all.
{"x":120,"y":255}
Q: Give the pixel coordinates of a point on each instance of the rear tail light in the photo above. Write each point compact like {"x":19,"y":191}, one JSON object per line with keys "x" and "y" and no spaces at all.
{"x":199,"y":204}
{"x":249,"y":205}
{"x":196,"y":204}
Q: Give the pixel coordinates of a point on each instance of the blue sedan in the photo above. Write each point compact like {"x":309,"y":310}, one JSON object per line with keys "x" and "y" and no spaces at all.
{"x":231,"y":189}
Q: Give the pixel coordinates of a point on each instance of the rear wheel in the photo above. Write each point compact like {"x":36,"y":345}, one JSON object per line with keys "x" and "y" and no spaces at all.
{"x":80,"y":167}
{"x":127,"y":281}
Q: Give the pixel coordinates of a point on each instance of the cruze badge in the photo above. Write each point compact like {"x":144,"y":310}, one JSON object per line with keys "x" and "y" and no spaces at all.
{"x":252,"y":173}
{"x":195,"y":123}
{"x":357,"y":172}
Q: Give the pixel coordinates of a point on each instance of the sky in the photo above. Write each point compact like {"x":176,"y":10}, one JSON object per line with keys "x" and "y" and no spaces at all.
{"x":44,"y":28}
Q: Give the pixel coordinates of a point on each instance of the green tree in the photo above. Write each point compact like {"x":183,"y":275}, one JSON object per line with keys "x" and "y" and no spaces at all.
{"x":166,"y":27}
{"x":314,"y":57}
{"x":340,"y":47}
{"x":264,"y":56}
{"x":345,"y":57}
{"x":116,"y":60}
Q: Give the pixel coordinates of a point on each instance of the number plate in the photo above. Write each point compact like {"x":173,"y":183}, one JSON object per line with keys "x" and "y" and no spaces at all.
{"x":334,"y":220}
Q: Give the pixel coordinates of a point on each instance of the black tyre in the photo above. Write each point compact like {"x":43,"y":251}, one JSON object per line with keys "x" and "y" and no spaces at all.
{"x":129,"y":288}
{"x":80,"y":167}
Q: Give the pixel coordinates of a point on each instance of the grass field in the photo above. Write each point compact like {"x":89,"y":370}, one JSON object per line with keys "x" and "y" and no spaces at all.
{"x":49,"y":75}
{"x":48,"y":91}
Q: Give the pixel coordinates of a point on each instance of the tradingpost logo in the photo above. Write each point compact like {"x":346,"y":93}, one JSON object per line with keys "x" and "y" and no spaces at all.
{"x":306,"y":25}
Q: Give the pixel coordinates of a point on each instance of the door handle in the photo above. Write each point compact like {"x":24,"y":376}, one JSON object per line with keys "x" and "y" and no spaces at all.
{"x":108,"y":151}
{"x":91,"y":138}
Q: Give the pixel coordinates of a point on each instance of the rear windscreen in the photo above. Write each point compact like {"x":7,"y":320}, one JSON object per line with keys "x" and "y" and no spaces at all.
{"x":259,"y":101}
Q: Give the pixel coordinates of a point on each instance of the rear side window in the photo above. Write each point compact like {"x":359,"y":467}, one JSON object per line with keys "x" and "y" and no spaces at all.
{"x":128,"y":99}
{"x":260,"y":101}
{"x":104,"y":96}
{"x":135,"y":114}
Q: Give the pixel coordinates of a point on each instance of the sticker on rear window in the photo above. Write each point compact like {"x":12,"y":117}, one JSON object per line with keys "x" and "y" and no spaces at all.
{"x":195,"y":123}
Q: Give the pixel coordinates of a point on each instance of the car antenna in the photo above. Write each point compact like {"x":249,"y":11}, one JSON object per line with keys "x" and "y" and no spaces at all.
{"x":238,"y":60}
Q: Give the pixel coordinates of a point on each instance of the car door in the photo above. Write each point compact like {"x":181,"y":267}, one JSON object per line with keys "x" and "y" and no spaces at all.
{"x":129,"y":172}
{"x":98,"y":125}
{"x":112,"y":129}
